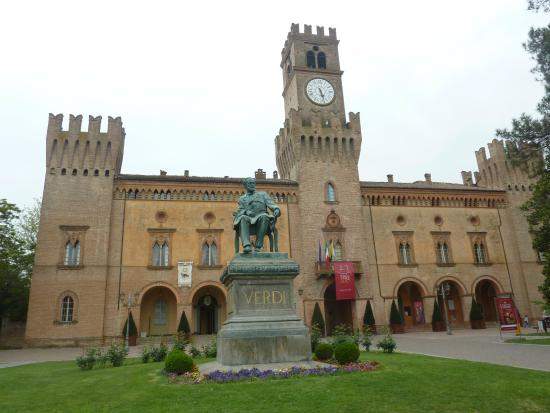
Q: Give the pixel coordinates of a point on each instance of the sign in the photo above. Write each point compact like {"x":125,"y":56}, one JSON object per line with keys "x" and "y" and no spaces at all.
{"x":507,"y":314}
{"x":185,"y":270}
{"x":344,"y":278}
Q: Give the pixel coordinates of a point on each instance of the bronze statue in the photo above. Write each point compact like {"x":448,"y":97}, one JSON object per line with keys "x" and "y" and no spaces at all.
{"x":252,"y":217}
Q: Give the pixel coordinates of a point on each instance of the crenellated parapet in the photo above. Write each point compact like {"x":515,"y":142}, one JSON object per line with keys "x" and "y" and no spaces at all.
{"x":73,"y":151}
{"x":307,"y":35}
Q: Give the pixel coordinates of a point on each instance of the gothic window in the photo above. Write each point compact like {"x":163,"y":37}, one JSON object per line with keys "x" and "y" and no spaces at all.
{"x":321,"y":60}
{"x":67,"y":309}
{"x":331,"y":194}
{"x":209,"y":254}
{"x":74,"y":172}
{"x":310,"y":59}
{"x":85,"y":173}
{"x":443,"y":253}
{"x":160,"y":254}
{"x":338,"y":251}
{"x":63,"y":171}
{"x":72,"y":253}
{"x":161,"y":312}
{"x":96,"y":172}
{"x":405,"y":253}
{"x":479,"y":253}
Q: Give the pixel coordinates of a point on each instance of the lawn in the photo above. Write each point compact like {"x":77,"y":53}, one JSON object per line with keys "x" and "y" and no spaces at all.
{"x":521,"y":340}
{"x":404,"y":383}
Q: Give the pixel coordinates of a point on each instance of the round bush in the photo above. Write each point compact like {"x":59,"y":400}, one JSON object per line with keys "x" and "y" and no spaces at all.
{"x":346,"y":352}
{"x":323,"y":351}
{"x":178,"y":362}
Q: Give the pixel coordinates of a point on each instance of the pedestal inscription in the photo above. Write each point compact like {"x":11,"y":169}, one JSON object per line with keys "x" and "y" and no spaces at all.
{"x":262,"y":325}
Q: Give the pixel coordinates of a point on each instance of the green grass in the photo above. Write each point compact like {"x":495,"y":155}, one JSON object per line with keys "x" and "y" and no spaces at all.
{"x":521,"y":340}
{"x":404,"y":383}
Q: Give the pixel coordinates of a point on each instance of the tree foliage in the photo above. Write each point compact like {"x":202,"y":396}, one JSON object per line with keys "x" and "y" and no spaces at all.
{"x":184,"y":324}
{"x":317,"y":318}
{"x":395,"y":315}
{"x":530,"y":136}
{"x":368,"y":318}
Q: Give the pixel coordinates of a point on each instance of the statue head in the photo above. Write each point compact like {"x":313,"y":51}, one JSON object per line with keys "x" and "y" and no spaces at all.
{"x":249,"y":184}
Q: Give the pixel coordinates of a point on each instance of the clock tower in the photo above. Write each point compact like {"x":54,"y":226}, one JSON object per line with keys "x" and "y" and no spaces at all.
{"x":319,"y":147}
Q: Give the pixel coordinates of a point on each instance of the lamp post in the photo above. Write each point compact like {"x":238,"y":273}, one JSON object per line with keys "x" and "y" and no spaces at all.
{"x":445,"y":290}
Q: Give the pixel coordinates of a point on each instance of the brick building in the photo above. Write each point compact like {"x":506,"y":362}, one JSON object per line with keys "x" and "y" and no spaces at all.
{"x":159,"y":242}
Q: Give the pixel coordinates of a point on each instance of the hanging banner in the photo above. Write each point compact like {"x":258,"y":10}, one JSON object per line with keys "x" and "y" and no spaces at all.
{"x":507,"y":314}
{"x":185,"y":270}
{"x":344,"y":278}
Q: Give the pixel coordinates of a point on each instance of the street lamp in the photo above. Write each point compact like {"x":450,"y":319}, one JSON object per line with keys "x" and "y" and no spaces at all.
{"x":445,"y":290}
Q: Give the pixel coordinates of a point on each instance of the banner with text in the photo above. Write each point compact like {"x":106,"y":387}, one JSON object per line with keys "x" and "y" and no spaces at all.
{"x":507,"y":313}
{"x":344,"y":278}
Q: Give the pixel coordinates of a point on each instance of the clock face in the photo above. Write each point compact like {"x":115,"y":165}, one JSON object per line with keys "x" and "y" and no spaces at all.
{"x":320,"y":91}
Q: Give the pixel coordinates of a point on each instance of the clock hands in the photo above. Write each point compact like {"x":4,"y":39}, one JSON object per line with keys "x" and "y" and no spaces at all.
{"x":321,"y":93}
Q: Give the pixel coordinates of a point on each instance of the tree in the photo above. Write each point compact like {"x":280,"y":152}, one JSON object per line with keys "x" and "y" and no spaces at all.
{"x":476,"y":312}
{"x":395,"y":315}
{"x":530,"y":149}
{"x":15,"y":265}
{"x":184,"y":324}
{"x":317,"y":318}
{"x":436,"y":315}
{"x":368,"y":318}
{"x":133,"y":328}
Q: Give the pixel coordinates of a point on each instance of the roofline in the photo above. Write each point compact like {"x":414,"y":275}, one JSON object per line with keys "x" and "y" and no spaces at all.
{"x":403,"y":186}
{"x":203,"y":179}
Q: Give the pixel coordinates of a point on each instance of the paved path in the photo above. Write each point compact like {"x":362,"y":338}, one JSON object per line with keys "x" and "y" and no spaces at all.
{"x":476,"y":345}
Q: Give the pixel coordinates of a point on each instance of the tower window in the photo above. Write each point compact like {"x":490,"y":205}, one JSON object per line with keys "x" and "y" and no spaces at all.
{"x":331,"y":194}
{"x":321,"y":60}
{"x":63,"y":171}
{"x":74,"y":172}
{"x":72,"y":254}
{"x":209,"y":254}
{"x":310,"y":59}
{"x":67,"y":309}
{"x":96,"y":172}
{"x":85,"y":173}
{"x":405,"y":253}
{"x":107,"y":172}
{"x":479,"y":253}
{"x":160,"y":254}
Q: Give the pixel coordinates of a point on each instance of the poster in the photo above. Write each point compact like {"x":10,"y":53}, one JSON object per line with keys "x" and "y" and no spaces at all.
{"x":344,"y":278}
{"x":507,"y":314}
{"x":185,"y":270}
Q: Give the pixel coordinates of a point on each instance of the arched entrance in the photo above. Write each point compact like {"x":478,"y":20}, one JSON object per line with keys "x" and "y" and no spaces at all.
{"x":337,"y":311}
{"x":158,"y":312}
{"x":485,"y":294}
{"x":209,"y":310}
{"x":453,"y":302}
{"x":411,"y":304}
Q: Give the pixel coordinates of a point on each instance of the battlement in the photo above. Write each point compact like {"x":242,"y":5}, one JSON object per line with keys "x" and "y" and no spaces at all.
{"x":323,"y":122}
{"x":307,"y":35}
{"x":79,"y":150}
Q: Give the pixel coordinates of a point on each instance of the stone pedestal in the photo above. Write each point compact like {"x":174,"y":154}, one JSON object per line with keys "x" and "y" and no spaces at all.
{"x":262,"y":325}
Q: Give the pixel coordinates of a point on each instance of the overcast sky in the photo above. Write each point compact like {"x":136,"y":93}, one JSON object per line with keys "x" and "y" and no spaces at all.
{"x":198,"y":84}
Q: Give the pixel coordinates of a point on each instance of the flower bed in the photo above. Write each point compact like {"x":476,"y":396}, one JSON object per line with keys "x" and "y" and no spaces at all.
{"x":218,"y":376}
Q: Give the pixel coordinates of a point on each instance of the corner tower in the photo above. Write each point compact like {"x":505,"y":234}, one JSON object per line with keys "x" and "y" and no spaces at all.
{"x":319,"y":148}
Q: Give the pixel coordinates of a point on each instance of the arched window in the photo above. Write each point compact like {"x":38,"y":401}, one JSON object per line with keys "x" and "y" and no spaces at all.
{"x":106,"y":172}
{"x":160,"y":254}
{"x":160,"y":317}
{"x":209,"y":254}
{"x":85,"y":173}
{"x":63,"y":171}
{"x":331,"y":195}
{"x":479,"y":252}
{"x":405,"y":253}
{"x":72,"y":254}
{"x":443,"y":253}
{"x":321,"y":60}
{"x":310,"y":59}
{"x":67,"y":309}
{"x":96,"y":172}
{"x":338,"y":251}
{"x":74,"y":172}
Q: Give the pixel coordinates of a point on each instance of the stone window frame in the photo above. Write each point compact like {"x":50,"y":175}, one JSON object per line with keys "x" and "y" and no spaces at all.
{"x":72,"y":234}
{"x":209,"y":236}
{"x":479,"y":238}
{"x":160,"y":236}
{"x":58,"y":317}
{"x":443,"y":237}
{"x":405,"y":237}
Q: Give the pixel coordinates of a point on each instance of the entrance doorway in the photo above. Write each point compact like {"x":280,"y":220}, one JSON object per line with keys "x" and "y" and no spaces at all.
{"x":453,"y":303}
{"x":337,"y":311}
{"x":485,"y":293}
{"x":208,"y":310}
{"x":158,"y":312}
{"x":412,"y":305}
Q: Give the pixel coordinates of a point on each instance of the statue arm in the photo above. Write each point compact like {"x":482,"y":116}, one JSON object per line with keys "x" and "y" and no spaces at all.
{"x":272,"y":205}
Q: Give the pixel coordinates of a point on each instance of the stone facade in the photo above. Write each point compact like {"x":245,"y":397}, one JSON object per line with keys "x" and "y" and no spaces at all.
{"x":107,"y":239}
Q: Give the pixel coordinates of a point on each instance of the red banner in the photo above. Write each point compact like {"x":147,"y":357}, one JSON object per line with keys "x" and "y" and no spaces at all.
{"x":507,"y":314}
{"x":344,"y":278}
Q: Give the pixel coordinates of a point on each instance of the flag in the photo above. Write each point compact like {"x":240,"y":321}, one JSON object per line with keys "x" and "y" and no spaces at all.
{"x":331,"y":251}
{"x":327,"y":256}
{"x":319,"y":253}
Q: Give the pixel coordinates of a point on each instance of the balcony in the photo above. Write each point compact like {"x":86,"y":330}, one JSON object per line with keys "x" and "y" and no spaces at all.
{"x":322,"y":271}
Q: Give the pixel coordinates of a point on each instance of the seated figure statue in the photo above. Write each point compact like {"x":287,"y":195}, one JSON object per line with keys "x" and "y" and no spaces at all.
{"x":253,"y":217}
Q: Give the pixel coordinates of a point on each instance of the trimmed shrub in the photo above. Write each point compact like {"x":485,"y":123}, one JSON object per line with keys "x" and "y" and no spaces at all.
{"x":133,"y":329}
{"x":437,"y":316}
{"x":159,"y":353}
{"x":343,"y":334}
{"x":184,"y":325}
{"x":368,"y":318}
{"x":476,"y":312}
{"x":323,"y":351}
{"x":395,"y":315}
{"x":317,"y":318}
{"x":387,"y":344}
{"x":116,"y":354}
{"x":346,"y":353}
{"x":87,"y":360}
{"x":178,"y":362}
